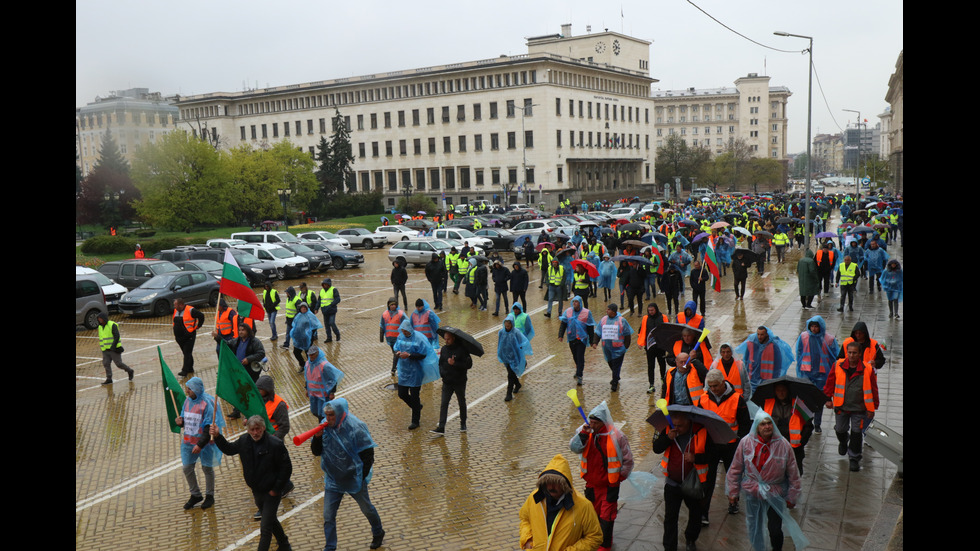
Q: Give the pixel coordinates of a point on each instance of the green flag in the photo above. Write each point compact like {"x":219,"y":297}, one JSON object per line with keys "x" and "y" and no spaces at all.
{"x":173,"y":395}
{"x":236,"y":387}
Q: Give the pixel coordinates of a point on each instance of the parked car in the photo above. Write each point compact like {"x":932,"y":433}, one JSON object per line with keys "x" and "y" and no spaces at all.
{"x":360,"y":237}
{"x":276,"y":237}
{"x":292,"y":265}
{"x":340,"y":257}
{"x":419,"y":251}
{"x":156,"y":296}
{"x":89,"y":301}
{"x":134,"y":272}
{"x":461,"y":234}
{"x":256,"y":271}
{"x":502,"y":240}
{"x":202,"y":265}
{"x":110,"y":289}
{"x":419,"y":225}
{"x":396,"y":233}
{"x":325,"y":236}
{"x":318,"y":260}
{"x":535,"y":227}
{"x":179,"y":253}
{"x":224,"y":243}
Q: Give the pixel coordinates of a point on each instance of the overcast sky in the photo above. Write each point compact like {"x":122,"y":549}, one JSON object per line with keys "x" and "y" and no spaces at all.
{"x":194,"y":47}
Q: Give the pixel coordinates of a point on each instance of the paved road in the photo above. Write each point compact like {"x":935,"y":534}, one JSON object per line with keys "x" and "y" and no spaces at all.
{"x":462,"y":491}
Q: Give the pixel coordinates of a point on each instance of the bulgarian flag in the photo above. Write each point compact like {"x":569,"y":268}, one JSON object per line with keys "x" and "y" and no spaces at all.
{"x":802,"y":410}
{"x":234,"y":284}
{"x":712,"y":263}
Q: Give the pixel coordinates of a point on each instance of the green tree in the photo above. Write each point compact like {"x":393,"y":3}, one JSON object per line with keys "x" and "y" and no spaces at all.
{"x":415,"y":203}
{"x":676,"y":159}
{"x":286,"y":167}
{"x":799,"y":166}
{"x":184,"y":183}
{"x":107,"y":193}
{"x":335,"y":157}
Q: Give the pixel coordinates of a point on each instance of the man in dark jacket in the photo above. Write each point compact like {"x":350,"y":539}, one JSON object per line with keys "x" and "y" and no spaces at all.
{"x":278,"y":412}
{"x":435,"y":274}
{"x":482,"y":287}
{"x":501,"y":275}
{"x":454,"y":362}
{"x":399,"y":277}
{"x":187,"y":320}
{"x":740,"y":272}
{"x":266,"y":468}
{"x":722,"y":399}
{"x":519,"y":280}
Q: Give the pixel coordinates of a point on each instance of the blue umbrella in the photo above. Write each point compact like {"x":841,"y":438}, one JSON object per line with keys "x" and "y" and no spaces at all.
{"x":824,"y":234}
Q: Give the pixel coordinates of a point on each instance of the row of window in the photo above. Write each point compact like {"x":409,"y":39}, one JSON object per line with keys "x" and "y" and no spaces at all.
{"x":615,"y":140}
{"x":718,"y":130}
{"x":443,"y":178}
{"x":119,"y":119}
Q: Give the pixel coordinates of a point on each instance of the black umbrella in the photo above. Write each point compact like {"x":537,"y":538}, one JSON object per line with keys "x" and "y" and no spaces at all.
{"x":466,"y":340}
{"x":763,"y":233}
{"x":803,"y":389}
{"x":666,"y":334}
{"x":749,"y":255}
{"x":635,"y":243}
{"x":631,"y":258}
{"x":717,"y":427}
{"x":630,"y":227}
{"x":784,"y":220}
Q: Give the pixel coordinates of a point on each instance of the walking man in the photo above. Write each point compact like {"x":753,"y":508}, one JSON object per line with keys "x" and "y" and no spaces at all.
{"x":187,"y":320}
{"x":111,"y":351}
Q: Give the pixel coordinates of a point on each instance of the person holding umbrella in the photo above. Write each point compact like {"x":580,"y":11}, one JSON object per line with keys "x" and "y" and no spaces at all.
{"x":512,"y":348}
{"x":655,"y":354}
{"x":454,"y":363}
{"x":684,"y":448}
{"x":781,"y":399}
{"x":721,"y":398}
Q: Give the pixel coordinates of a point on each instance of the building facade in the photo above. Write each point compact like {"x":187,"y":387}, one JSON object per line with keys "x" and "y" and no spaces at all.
{"x":135,"y":116}
{"x":896,"y":131}
{"x":752,"y":111}
{"x":570,"y":119}
{"x":828,"y":153}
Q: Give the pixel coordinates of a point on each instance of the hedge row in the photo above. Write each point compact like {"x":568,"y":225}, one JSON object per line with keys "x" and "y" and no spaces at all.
{"x":117,"y":244}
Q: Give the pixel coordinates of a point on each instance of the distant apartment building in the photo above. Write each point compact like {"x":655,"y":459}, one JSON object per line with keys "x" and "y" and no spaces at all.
{"x":896,"y":130}
{"x":135,"y":116}
{"x":715,"y":117}
{"x":828,"y":153}
{"x":572,"y":118}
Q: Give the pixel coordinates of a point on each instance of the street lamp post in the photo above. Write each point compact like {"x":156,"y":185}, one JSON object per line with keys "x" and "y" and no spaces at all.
{"x":809,"y":122}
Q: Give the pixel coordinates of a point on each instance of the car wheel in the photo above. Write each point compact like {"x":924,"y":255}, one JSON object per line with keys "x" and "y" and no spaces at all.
{"x":368,"y":244}
{"x":280,"y":273}
{"x":213,"y":298}
{"x":338,"y":263}
{"x":92,"y":319}
{"x":404,"y":239}
{"x":161,"y":308}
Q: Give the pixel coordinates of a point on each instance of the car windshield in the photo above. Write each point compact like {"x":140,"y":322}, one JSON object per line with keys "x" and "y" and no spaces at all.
{"x":287,"y":237}
{"x":208,"y":265}
{"x":281,"y":253}
{"x":465,"y":233}
{"x":245,"y":259}
{"x":328,"y":235}
{"x":163,"y":268}
{"x":300,"y":249}
{"x":159,"y":282}
{"x":100,"y":279}
{"x":359,"y":231}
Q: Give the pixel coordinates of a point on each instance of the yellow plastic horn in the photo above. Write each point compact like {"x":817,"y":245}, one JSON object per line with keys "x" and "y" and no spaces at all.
{"x":573,"y":394}
{"x":704,"y":335}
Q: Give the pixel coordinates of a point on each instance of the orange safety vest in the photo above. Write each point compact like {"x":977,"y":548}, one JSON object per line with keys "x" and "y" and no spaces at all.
{"x":642,"y":339}
{"x":727,"y":410}
{"x":705,"y":354}
{"x":819,"y":255}
{"x":694,"y":322}
{"x":700,"y":437}
{"x":734,"y":377}
{"x":140,"y":254}
{"x":767,"y":360}
{"x":189,"y":323}
{"x":270,"y":408}
{"x":841,"y":380}
{"x":392,"y":322}
{"x":795,"y":423}
{"x":225,"y":324}
{"x":805,"y":360}
{"x":614,"y":458}
{"x":869,"y":353}
{"x":695,"y":386}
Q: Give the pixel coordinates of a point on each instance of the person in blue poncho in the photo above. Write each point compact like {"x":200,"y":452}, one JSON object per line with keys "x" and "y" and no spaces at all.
{"x":891,"y":282}
{"x":522,"y":321}
{"x":197,"y":415}
{"x":346,"y":452}
{"x":512,"y":347}
{"x":417,"y":365}
{"x":875,"y":258}
{"x":577,"y":321}
{"x":304,"y":324}
{"x":816,"y":353}
{"x":615,"y":333}
{"x":765,"y":356}
{"x":425,"y":321}
{"x":322,"y":379}
{"x":607,"y":277}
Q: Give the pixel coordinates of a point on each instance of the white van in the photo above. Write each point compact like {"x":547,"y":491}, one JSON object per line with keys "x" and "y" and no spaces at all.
{"x":267,"y":237}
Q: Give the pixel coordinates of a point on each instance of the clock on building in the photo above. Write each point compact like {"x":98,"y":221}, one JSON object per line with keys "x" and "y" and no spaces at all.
{"x":600,"y":47}
{"x":616,"y":47}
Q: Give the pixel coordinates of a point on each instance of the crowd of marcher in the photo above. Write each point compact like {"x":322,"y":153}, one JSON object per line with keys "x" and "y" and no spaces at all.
{"x":769,"y":411}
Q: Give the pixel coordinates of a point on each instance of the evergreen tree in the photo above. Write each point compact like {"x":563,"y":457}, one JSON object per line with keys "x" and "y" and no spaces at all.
{"x":335,"y":159}
{"x":107,"y":193}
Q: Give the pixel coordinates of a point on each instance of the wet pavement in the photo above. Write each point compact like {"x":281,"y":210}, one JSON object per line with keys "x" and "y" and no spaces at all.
{"x":464,"y":490}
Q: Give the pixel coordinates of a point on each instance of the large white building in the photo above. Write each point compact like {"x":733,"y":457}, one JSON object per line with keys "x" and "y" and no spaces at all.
{"x":752,"y":111}
{"x":575,"y":111}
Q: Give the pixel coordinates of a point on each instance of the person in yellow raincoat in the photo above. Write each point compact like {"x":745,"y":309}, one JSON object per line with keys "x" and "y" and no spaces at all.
{"x":555,"y":516}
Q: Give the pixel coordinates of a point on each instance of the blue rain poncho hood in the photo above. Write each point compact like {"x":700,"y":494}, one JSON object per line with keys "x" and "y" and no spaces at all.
{"x":607,"y":274}
{"x":892,"y":281}
{"x":304,"y":324}
{"x":433,"y":321}
{"x":512,"y":347}
{"x":415,"y":372}
{"x":602,"y":413}
{"x":576,"y":327}
{"x":210,"y":455}
{"x":782,"y":356}
{"x":816,"y":341}
{"x":339,"y":459}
